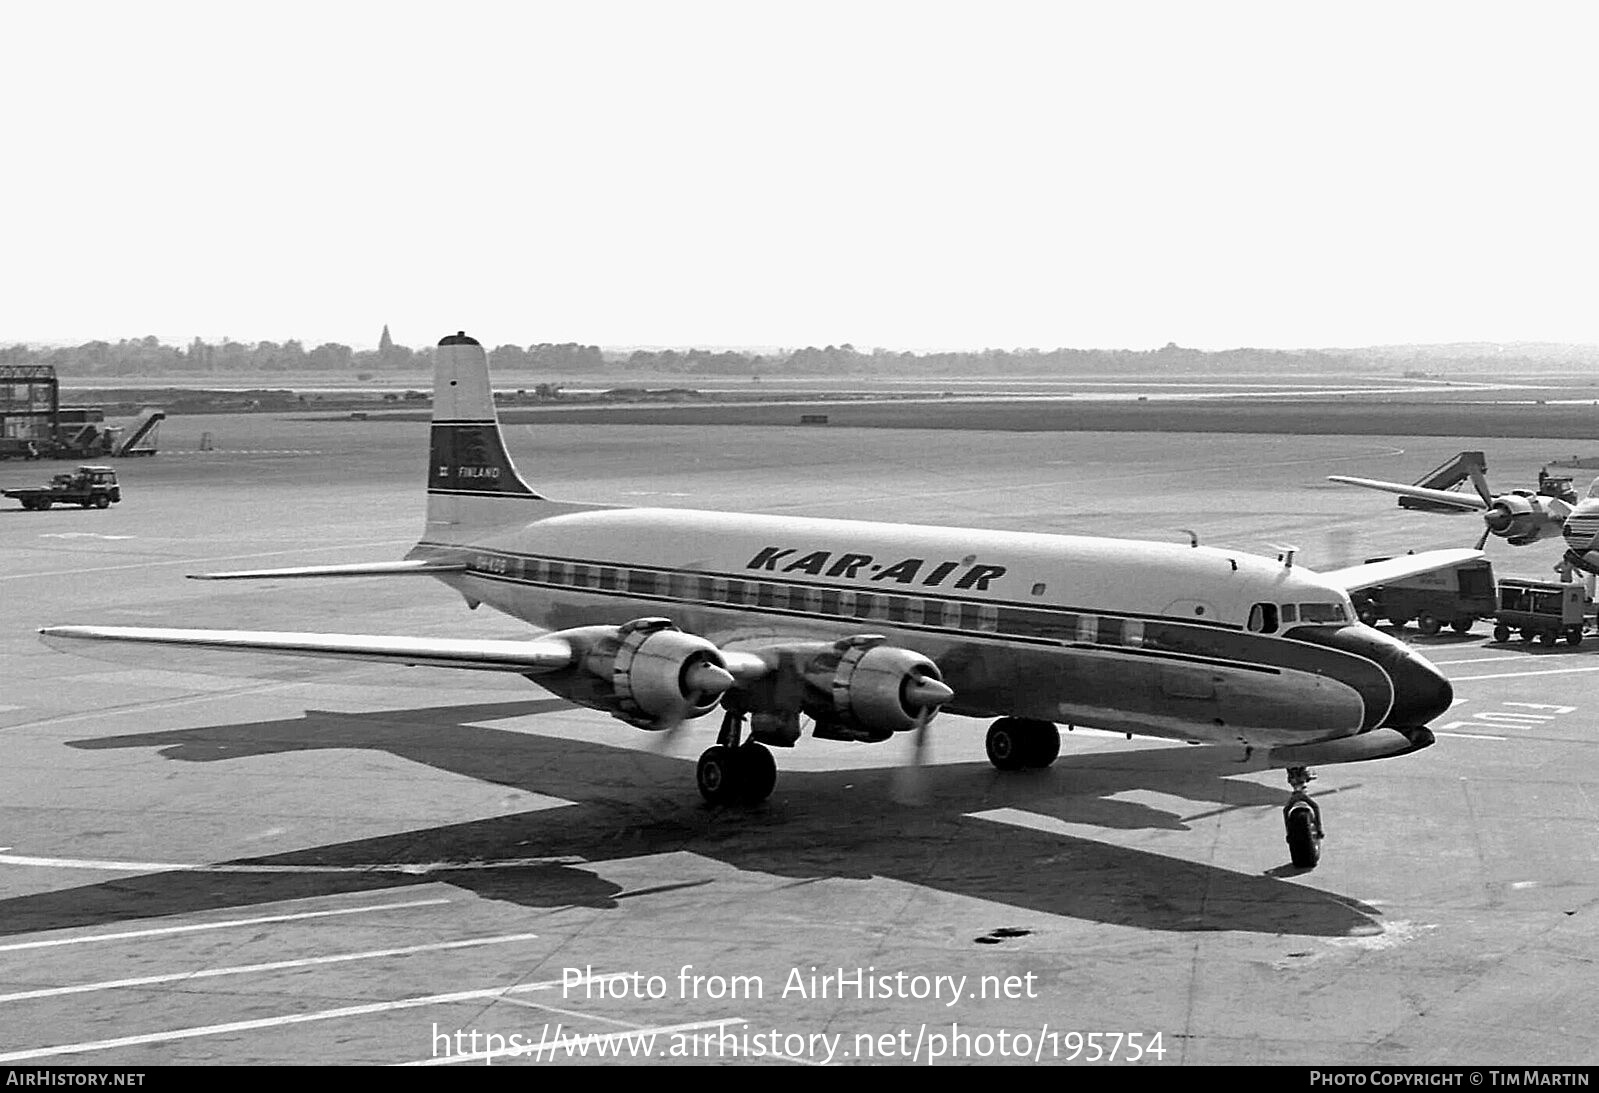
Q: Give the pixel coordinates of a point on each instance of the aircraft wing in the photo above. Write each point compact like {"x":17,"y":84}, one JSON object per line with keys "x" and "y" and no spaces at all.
{"x":541,"y":654}
{"x":1443,"y":497}
{"x":357,"y":569}
{"x":1356,"y":577}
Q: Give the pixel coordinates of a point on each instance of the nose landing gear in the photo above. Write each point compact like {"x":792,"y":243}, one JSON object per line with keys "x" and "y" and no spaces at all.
{"x":1302,"y":819}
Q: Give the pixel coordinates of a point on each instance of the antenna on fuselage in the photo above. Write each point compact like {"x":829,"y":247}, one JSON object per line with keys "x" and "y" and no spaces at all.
{"x":1285,"y":554}
{"x":1193,"y":536}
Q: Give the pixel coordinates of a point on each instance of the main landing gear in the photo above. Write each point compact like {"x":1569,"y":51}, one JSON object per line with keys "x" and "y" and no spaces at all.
{"x":1015,"y":743}
{"x":732,"y":773}
{"x":1302,"y":819}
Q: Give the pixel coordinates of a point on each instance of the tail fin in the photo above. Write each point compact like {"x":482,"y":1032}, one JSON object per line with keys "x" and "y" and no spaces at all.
{"x":472,"y":482}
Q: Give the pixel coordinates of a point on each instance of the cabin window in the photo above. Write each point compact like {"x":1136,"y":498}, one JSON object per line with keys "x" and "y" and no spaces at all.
{"x":1110,"y":631}
{"x":736,"y":592}
{"x":1088,"y":628}
{"x":1291,"y":613}
{"x":846,"y":603}
{"x":557,"y":572}
{"x":1263,"y":618}
{"x":950,"y":616}
{"x":1133,"y":632}
{"x":829,"y":604}
{"x":1038,"y":588}
{"x":641,"y":582}
{"x":765,"y":595}
{"x":987,"y":617}
{"x":863,"y":605}
{"x":608,"y":578}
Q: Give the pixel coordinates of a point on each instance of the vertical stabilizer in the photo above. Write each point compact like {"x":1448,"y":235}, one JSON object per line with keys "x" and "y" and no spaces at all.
{"x":472,"y":482}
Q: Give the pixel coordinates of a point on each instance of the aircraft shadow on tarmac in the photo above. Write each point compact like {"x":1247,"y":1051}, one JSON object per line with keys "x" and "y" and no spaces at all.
{"x":819,"y":825}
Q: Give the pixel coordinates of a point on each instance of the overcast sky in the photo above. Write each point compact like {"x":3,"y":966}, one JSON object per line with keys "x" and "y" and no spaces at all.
{"x":910,"y":175}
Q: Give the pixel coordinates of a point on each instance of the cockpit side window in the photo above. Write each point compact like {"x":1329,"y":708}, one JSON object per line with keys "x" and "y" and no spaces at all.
{"x":1263,"y":618}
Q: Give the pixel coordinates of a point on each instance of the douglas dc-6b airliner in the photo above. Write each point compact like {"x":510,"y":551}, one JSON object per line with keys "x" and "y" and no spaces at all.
{"x":868,"y":629}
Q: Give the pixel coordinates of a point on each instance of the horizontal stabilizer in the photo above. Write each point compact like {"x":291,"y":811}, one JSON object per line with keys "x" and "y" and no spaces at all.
{"x":542,"y":654}
{"x":1389,"y":570}
{"x":358,"y":569}
{"x":1454,"y":499}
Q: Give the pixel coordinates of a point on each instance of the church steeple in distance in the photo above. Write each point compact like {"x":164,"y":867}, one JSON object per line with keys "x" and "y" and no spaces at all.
{"x":385,"y":343}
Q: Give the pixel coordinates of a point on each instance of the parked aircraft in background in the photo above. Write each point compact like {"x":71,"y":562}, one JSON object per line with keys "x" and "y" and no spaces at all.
{"x":869,"y":629}
{"x":1520,"y":517}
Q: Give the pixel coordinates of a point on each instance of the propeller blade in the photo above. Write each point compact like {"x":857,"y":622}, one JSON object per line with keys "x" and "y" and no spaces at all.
{"x":1482,"y":540}
{"x":910,"y":783}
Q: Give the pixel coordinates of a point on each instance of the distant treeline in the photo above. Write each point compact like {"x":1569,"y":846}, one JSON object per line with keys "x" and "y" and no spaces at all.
{"x":148,"y":356}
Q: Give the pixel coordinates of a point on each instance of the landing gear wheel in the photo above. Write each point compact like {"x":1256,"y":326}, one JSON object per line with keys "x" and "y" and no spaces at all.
{"x":1461,"y":626}
{"x":1044,"y":748}
{"x":717,"y":775}
{"x":757,"y":772}
{"x":1304,"y":845}
{"x":1302,"y":821}
{"x":1501,"y":632}
{"x":1428,"y":623}
{"x":1015,"y":743}
{"x":1007,"y":744}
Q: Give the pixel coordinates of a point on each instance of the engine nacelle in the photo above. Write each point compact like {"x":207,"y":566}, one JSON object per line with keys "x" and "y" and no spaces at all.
{"x":1524,"y":517}
{"x":646,"y":672}
{"x":863,"y":689}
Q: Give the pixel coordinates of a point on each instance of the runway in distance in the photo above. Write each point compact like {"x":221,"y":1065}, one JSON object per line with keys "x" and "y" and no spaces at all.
{"x":659,"y":616}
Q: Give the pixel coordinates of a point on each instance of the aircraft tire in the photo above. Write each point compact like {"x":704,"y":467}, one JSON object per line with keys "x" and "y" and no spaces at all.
{"x":717,"y":775}
{"x":1007,"y":744}
{"x":757,"y":772}
{"x":1044,"y":746}
{"x":1304,"y":848}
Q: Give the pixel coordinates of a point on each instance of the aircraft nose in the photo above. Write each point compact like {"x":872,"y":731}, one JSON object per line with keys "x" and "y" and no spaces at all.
{"x":1421,"y":692}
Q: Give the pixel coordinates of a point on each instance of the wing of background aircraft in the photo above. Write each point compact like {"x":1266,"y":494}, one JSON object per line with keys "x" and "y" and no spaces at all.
{"x":1457,"y":499}
{"x":1371,"y":574}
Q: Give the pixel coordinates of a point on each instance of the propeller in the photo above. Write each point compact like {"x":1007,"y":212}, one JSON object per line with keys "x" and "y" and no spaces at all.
{"x":924,"y":694}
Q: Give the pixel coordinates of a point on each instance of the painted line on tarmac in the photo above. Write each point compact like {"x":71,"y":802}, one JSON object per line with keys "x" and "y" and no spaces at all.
{"x":410,"y":869}
{"x":1475,"y":660}
{"x":1471,"y":736}
{"x":273,"y":966}
{"x":226,"y":924}
{"x":194,"y":1032}
{"x":206,"y":560}
{"x":1522,"y":675}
